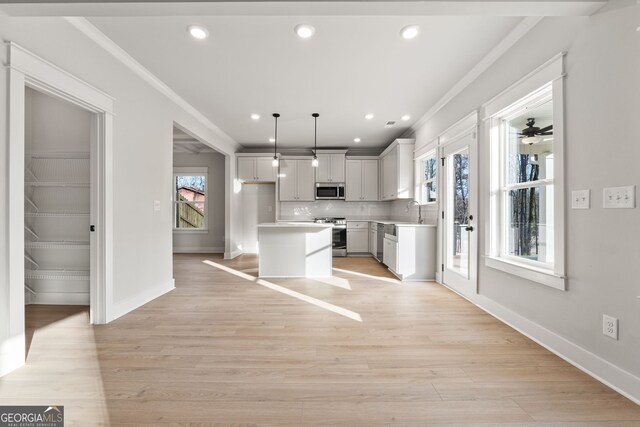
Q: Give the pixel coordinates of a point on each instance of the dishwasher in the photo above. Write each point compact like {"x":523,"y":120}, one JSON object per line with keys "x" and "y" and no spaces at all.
{"x":380,"y":246}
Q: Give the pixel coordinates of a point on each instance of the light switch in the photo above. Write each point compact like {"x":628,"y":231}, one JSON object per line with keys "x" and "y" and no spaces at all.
{"x":581,"y":199}
{"x":156,"y":205}
{"x":619,"y":197}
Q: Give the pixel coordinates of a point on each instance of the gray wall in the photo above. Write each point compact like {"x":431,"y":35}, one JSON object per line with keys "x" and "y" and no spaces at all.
{"x":213,"y":239}
{"x":602,"y":113}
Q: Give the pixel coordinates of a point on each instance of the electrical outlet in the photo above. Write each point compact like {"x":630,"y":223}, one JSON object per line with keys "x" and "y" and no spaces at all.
{"x":619,"y":197}
{"x":156,"y":205}
{"x":610,"y":326}
{"x":581,"y":199}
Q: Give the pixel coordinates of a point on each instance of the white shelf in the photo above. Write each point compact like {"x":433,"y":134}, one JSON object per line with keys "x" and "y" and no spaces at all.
{"x":57,"y":274}
{"x":57,"y":245}
{"x":63,"y":156}
{"x":56,"y":184}
{"x":56,"y":214}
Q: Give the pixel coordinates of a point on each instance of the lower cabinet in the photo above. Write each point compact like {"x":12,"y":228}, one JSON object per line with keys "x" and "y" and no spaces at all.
{"x":357,"y":237}
{"x":390,"y":254}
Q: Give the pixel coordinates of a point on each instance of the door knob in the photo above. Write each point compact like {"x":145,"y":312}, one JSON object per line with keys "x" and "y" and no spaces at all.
{"x":468,"y":228}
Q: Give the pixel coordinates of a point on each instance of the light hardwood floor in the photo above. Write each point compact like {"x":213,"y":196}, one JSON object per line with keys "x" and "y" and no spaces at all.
{"x":360,"y":349}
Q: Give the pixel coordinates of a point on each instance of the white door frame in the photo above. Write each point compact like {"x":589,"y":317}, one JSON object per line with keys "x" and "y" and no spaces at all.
{"x":464,"y":129}
{"x":29,"y":70}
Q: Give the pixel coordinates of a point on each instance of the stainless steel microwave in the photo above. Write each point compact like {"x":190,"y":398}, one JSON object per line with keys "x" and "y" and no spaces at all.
{"x":330,"y":191}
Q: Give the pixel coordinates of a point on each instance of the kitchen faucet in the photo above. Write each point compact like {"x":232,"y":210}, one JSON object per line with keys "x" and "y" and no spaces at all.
{"x":415,"y":203}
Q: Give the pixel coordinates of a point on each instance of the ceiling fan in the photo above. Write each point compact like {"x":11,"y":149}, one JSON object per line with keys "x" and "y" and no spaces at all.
{"x":532,"y":134}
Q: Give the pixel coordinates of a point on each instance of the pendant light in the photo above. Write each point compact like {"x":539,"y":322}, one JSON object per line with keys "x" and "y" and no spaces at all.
{"x":315,"y":161}
{"x":275,"y":163}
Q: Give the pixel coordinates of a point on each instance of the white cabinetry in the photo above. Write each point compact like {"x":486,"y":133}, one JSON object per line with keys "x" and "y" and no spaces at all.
{"x":413,"y":256}
{"x":361,"y":180}
{"x":296,"y":180}
{"x":396,"y":164}
{"x":330,"y":167}
{"x":256,"y":169}
{"x":357,"y":237}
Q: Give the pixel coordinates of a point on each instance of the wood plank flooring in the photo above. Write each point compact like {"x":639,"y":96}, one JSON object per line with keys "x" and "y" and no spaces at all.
{"x":361,"y":349}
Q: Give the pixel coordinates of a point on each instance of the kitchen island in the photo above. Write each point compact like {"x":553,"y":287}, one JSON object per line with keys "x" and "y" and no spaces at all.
{"x":295,"y":249}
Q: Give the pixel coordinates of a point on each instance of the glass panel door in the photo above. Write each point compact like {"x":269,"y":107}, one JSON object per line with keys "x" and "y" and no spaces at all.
{"x":458,"y":227}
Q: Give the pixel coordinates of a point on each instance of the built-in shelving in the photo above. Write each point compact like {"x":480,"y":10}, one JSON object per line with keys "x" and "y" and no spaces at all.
{"x":57,"y":249}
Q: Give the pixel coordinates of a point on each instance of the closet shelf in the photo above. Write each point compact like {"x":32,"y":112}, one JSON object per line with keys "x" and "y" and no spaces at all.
{"x":61,"y":274}
{"x":56,"y":184}
{"x":63,"y":156}
{"x":56,"y":214}
{"x":57,"y":245}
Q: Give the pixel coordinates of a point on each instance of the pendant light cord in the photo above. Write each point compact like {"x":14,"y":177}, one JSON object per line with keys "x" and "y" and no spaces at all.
{"x":275,"y":137}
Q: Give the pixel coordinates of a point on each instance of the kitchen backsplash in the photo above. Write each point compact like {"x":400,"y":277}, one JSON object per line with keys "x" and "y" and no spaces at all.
{"x":397,"y":210}
{"x":301,"y":211}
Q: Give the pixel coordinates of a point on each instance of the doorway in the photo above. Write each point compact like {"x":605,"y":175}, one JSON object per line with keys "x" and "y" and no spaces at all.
{"x":460,"y":208}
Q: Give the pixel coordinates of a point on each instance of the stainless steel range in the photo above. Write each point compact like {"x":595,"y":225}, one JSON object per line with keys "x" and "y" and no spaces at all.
{"x":339,"y":242}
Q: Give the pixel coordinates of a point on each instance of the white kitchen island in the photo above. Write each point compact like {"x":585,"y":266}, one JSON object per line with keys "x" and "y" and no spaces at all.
{"x":295,"y":249}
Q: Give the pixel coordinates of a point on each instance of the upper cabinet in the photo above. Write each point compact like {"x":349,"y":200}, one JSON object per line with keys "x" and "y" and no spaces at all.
{"x":296,"y":180}
{"x":330,"y":166}
{"x":361,"y":180}
{"x":396,"y":170}
{"x":256,"y":169}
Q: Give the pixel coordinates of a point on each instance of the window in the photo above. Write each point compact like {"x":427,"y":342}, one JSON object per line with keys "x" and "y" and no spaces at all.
{"x":427,"y":174}
{"x":190,"y":199}
{"x":526,"y":209}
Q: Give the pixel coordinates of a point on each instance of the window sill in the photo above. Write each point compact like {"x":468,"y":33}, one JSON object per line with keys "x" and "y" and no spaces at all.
{"x":198,"y":231}
{"x":539,"y":275}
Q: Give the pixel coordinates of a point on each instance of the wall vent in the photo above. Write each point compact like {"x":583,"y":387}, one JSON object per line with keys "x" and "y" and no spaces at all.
{"x":390,"y":124}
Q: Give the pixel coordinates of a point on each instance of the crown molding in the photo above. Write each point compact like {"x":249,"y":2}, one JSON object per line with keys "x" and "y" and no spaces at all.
{"x":93,"y":33}
{"x":490,"y":58}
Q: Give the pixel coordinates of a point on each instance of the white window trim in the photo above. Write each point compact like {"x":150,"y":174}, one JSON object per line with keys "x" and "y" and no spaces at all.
{"x":189,"y":171}
{"x":420,"y":181}
{"x":548,"y":77}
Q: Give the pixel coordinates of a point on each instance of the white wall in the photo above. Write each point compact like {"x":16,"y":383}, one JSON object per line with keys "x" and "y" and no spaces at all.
{"x":142,"y":158}
{"x":213,"y":239}
{"x":258,"y":207}
{"x":602,"y":112}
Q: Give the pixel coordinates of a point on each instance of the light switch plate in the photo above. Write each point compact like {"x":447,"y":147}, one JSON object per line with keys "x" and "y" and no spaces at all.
{"x":619,"y":197}
{"x":581,"y":199}
{"x":156,"y":205}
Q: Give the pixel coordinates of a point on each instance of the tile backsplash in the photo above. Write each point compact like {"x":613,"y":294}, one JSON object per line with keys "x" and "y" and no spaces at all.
{"x":397,"y":210}
{"x":301,"y":211}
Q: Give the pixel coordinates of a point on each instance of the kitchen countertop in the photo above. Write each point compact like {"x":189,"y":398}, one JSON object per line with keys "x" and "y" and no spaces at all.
{"x":306,"y":222}
{"x":292,"y":224}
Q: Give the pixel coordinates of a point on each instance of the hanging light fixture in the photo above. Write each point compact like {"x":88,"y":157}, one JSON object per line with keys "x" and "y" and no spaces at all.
{"x":315,"y":161}
{"x":275,"y":163}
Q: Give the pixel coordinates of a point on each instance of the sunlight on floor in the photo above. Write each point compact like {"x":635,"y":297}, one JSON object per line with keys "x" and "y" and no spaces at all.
{"x":368,"y":276}
{"x":302,"y":297}
{"x":72,"y":377}
{"x":334,"y":281}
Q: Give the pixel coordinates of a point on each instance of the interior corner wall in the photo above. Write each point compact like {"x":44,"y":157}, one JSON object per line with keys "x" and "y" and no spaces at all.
{"x":213,"y":239}
{"x":602,"y":112}
{"x":142,"y":158}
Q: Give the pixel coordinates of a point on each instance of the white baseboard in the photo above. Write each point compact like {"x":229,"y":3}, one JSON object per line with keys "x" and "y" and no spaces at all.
{"x":607,"y":373}
{"x":121,"y":308}
{"x":233,"y":254}
{"x":198,"y":250}
{"x":625,"y":383}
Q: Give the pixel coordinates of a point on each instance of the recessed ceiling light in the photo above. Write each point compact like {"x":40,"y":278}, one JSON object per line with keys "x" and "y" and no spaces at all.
{"x":356,"y":140}
{"x":304,"y":31}
{"x":272,"y":140}
{"x":410,"y":31}
{"x":405,"y":117}
{"x":198,"y":32}
{"x":368,"y":116}
{"x":255,"y":116}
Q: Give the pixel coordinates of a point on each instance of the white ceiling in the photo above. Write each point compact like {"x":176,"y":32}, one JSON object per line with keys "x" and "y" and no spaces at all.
{"x":184,"y":143}
{"x":357,"y":63}
{"x":352,"y":66}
